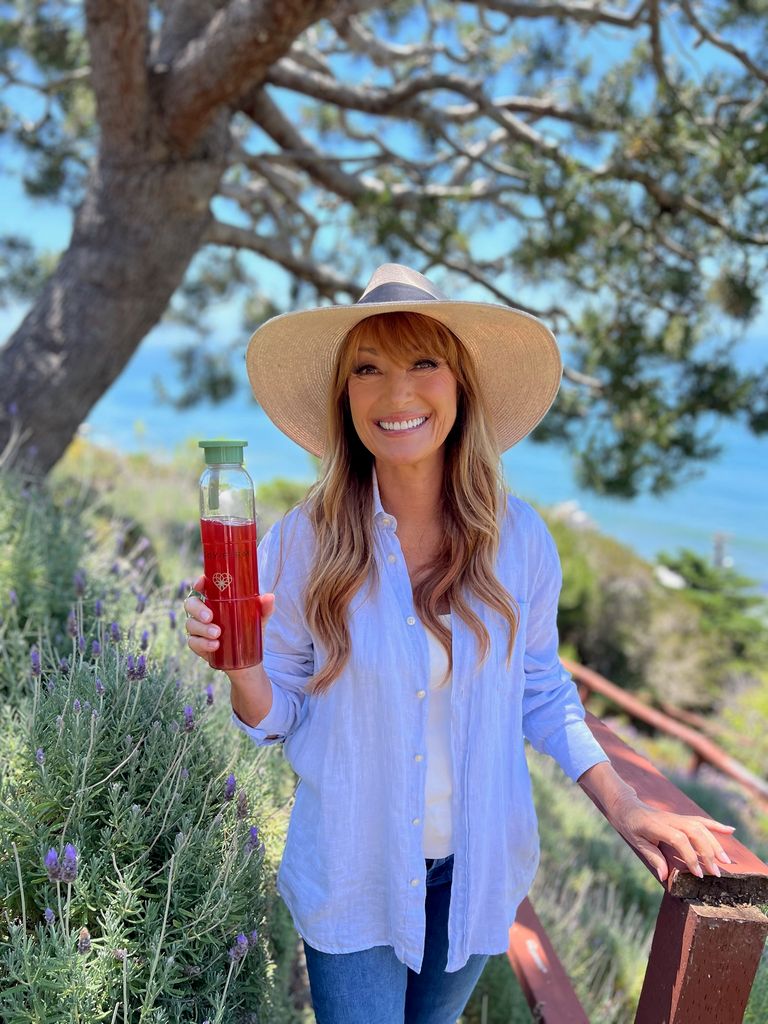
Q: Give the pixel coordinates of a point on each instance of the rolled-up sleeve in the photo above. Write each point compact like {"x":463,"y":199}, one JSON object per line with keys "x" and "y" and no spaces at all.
{"x":288,"y":650}
{"x":553,"y":715}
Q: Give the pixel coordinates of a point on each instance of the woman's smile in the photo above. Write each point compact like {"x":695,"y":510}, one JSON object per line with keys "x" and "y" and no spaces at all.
{"x":401,"y":424}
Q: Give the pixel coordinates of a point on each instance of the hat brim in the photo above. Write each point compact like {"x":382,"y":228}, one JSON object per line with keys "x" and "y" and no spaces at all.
{"x":290,"y":361}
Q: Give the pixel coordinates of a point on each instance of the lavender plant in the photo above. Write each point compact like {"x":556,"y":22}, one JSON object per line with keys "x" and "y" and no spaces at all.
{"x":134,"y":884}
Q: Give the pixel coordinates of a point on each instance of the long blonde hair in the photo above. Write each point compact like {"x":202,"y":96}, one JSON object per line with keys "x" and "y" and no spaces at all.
{"x":340,"y":504}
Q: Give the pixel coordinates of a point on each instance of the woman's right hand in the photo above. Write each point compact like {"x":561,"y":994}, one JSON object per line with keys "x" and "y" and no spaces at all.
{"x":202,"y":632}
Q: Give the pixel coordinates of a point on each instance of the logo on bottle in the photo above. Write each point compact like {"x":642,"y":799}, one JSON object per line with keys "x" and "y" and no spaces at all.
{"x":222,"y":580}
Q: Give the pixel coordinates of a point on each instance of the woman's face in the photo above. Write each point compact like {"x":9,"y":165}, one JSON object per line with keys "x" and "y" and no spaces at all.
{"x":402,"y":412}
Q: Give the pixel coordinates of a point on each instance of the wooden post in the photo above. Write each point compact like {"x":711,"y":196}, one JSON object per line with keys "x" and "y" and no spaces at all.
{"x":703,"y":963}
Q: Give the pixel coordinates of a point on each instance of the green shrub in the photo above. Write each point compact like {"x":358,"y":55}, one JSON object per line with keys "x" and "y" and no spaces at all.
{"x":134,"y":769}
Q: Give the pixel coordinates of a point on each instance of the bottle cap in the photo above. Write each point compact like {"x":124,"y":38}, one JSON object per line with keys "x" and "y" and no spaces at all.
{"x":218,"y":453}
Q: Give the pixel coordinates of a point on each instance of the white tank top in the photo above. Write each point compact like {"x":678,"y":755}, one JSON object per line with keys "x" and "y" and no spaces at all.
{"x":438,"y":825}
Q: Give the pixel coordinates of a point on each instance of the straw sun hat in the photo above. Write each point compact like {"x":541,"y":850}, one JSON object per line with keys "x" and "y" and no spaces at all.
{"x":291,"y":357}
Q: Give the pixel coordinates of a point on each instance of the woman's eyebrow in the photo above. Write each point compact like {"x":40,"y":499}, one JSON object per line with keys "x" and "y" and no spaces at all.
{"x":373,"y":351}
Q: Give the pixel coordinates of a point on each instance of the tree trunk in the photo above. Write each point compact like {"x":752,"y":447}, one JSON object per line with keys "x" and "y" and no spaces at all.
{"x":139,"y":226}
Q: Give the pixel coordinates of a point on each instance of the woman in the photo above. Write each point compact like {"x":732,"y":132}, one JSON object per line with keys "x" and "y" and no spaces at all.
{"x":411,"y":645}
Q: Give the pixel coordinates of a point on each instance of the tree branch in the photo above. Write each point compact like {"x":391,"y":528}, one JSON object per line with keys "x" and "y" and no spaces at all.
{"x":233,"y":55}
{"x":265,"y":112}
{"x":590,"y":13}
{"x":118,"y":37}
{"x":324,"y":278}
{"x":722,"y":44}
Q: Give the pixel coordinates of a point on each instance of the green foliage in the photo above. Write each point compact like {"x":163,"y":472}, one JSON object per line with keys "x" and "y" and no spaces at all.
{"x":112,"y":749}
{"x":693,"y":647}
{"x":41,"y":547}
{"x":134,"y":775}
{"x":731,"y":609}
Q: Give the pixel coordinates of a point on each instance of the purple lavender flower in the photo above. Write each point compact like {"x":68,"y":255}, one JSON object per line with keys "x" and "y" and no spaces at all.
{"x":229,"y":787}
{"x":145,"y":639}
{"x":189,"y":718}
{"x":84,"y":942}
{"x":242,"y":805}
{"x":172,"y":619}
{"x":64,"y":664}
{"x":81,"y":644}
{"x":181,"y":593}
{"x":40,"y":755}
{"x":13,"y":410}
{"x":76,"y":706}
{"x":34,"y":657}
{"x":52,"y":866}
{"x":13,"y":597}
{"x":185,"y":773}
{"x":240,"y":948}
{"x":114,"y":632}
{"x":253,"y":842}
{"x":59,"y":722}
{"x":98,"y":608}
{"x":141,"y":604}
{"x":49,"y":916}
{"x":209,"y":693}
{"x":120,"y":954}
{"x":72,"y":629}
{"x":130,"y":666}
{"x":95,"y":649}
{"x":115,"y":568}
{"x":79,"y":581}
{"x":141,"y":666}
{"x":69,"y":864}
{"x":99,"y":687}
{"x":128,"y":741}
{"x":174,"y":726}
{"x":86,"y":705}
{"x":253,"y":937}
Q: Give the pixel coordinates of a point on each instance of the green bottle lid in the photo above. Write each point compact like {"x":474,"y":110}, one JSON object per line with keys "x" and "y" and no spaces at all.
{"x":218,"y":453}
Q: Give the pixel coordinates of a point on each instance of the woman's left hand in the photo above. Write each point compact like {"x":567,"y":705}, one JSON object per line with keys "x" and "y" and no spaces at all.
{"x":690,"y":835}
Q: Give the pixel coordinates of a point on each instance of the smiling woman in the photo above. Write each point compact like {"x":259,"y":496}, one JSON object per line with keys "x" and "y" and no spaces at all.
{"x":409,"y":542}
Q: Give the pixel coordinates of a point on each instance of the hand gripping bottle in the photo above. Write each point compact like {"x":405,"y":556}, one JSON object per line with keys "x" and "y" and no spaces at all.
{"x":228,"y":531}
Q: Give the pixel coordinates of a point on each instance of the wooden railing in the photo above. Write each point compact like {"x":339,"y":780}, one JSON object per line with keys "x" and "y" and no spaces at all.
{"x":709,"y":932}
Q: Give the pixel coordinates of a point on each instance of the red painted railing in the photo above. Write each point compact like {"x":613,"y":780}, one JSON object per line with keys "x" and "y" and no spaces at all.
{"x":709,"y":933}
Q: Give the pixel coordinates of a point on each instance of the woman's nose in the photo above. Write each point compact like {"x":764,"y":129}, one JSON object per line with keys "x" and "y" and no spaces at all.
{"x":400,"y":385}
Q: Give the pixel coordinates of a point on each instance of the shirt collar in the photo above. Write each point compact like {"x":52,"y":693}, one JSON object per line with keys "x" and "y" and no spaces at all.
{"x":380,"y":515}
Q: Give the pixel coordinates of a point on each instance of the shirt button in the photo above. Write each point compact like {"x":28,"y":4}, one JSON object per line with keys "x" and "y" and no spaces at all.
{"x":415,"y":821}
{"x":418,"y":757}
{"x":414,"y":881}
{"x":411,"y":621}
{"x":421,"y":693}
{"x":391,"y":558}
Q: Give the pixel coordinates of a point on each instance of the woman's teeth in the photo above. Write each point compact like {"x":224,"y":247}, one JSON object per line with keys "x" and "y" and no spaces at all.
{"x":402,"y":424}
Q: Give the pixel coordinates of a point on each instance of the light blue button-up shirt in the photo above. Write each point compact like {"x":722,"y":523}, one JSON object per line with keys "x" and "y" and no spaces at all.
{"x":353,"y":871}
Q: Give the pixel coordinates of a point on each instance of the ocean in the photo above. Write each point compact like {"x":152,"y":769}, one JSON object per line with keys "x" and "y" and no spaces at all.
{"x":730,"y":498}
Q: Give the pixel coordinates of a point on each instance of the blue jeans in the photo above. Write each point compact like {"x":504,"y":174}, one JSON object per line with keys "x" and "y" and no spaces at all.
{"x":372,"y":986}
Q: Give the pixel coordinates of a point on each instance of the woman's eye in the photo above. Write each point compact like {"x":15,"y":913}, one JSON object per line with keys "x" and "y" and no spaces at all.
{"x":364,"y":371}
{"x":430,"y":363}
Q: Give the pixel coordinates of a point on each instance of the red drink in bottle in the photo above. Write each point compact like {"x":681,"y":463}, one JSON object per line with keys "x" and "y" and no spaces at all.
{"x":229,"y":553}
{"x":228,"y":532}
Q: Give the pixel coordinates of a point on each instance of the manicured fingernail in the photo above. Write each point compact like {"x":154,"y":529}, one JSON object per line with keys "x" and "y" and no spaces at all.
{"x":716,"y":870}
{"x":213,"y":631}
{"x":724,"y":856}
{"x":698,"y":871}
{"x":206,"y":616}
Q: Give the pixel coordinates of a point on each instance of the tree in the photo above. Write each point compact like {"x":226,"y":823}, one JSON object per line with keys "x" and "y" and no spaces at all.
{"x":501,"y":145}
